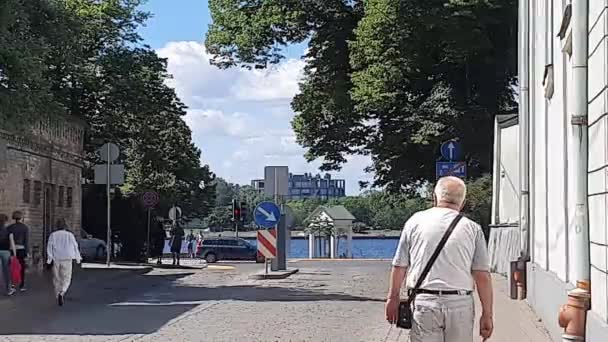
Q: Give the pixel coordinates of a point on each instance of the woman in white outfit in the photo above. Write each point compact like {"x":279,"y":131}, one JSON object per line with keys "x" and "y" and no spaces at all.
{"x":62,"y":249}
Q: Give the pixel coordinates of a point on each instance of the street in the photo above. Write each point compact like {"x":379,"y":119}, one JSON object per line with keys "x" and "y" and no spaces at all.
{"x":325,"y":301}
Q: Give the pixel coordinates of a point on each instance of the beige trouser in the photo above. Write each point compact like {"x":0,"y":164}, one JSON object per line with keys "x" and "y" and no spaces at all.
{"x":447,"y":318}
{"x":62,"y":276}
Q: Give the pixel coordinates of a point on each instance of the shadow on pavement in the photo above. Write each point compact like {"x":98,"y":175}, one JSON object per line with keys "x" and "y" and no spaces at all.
{"x":144,"y":304}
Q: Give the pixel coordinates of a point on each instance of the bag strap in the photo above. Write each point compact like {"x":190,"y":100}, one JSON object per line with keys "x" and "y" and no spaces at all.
{"x":433,"y":258}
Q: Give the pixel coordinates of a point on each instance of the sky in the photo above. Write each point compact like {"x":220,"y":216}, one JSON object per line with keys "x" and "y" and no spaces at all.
{"x":240,"y":119}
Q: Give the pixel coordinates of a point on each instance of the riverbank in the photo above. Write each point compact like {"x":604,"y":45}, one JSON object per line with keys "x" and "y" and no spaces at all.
{"x":372,"y":234}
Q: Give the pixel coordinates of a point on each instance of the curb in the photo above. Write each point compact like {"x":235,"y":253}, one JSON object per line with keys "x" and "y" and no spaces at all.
{"x":274,"y":275}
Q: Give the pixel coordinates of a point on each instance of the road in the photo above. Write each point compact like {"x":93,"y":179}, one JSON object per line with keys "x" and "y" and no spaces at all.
{"x":325,"y":301}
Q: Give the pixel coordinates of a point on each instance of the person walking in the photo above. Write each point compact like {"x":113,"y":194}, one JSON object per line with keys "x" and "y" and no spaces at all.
{"x":5,"y":255}
{"x":177,"y":237}
{"x":61,"y":250}
{"x":443,"y":309}
{"x":191,"y":239}
{"x":21,"y":234}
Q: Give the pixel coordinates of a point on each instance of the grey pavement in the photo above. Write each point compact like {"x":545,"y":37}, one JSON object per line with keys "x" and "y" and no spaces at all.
{"x":325,"y":301}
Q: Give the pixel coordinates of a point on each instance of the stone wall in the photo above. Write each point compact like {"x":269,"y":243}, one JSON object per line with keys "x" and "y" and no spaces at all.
{"x":40,"y":174}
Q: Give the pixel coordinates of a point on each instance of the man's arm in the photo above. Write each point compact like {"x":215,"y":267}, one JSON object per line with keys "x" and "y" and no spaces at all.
{"x":398,"y":275}
{"x":483,"y":282}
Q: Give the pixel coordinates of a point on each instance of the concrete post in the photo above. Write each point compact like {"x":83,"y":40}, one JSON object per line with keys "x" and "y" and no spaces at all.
{"x":332,"y":246}
{"x":349,"y":244}
{"x":311,"y":246}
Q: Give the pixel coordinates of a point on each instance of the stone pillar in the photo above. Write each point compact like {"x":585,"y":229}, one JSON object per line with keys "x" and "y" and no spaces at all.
{"x":311,"y":246}
{"x":349,"y":244}
{"x":332,"y":246}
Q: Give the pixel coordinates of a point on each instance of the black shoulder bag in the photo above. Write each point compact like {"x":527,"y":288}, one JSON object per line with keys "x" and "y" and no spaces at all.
{"x":404,"y":320}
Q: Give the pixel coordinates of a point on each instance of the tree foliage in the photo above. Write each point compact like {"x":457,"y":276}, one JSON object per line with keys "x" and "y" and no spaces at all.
{"x":85,"y":59}
{"x":391,"y":79}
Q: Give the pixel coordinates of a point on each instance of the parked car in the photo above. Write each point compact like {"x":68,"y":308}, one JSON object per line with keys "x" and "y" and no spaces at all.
{"x":216,"y":249}
{"x":91,"y":248}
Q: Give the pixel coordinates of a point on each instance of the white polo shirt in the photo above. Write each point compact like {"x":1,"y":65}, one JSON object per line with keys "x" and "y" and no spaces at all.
{"x":465,"y":250}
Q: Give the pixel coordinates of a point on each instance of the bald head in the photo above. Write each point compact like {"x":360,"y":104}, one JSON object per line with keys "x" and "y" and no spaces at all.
{"x":450,"y":191}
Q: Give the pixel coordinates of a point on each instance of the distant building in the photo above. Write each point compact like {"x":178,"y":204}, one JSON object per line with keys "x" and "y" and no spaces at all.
{"x":308,"y":186}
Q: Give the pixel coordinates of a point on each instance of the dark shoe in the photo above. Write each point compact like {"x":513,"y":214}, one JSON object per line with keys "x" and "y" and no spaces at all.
{"x":60,"y":299}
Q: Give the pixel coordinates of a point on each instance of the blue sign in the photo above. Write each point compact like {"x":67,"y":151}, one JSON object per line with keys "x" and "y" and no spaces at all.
{"x":451,"y":150}
{"x":457,"y":169}
{"x":267,"y":214}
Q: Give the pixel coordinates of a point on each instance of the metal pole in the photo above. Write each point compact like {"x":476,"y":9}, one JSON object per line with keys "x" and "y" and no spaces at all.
{"x":275,"y":261}
{"x":148,"y":237}
{"x":108,"y":186}
{"x":281,"y":253}
{"x":524,"y":129}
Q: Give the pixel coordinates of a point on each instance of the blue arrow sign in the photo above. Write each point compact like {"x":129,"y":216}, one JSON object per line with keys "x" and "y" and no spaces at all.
{"x":451,"y":150}
{"x":457,"y":169}
{"x":267,"y":214}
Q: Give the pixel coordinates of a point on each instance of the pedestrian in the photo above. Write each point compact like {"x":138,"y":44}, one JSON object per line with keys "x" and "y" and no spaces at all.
{"x":191,"y":239}
{"x":61,"y":250}
{"x":443,"y":308}
{"x":177,"y":237}
{"x":199,"y":243}
{"x":5,"y":255}
{"x":21,"y":234}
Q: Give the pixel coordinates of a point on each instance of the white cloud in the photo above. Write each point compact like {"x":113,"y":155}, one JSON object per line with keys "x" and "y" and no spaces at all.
{"x":241,"y":118}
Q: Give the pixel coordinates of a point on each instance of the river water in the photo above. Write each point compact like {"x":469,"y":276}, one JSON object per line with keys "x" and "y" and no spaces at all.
{"x":362,"y":248}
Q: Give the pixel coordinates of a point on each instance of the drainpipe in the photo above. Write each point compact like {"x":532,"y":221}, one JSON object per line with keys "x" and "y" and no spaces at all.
{"x":519,"y":267}
{"x":572,"y":316}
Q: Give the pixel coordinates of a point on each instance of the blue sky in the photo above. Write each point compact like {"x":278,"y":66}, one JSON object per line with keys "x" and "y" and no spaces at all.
{"x":240,"y":119}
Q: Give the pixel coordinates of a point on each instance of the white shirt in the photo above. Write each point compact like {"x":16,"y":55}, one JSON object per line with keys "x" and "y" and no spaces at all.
{"x":62,"y":246}
{"x":465,"y":250}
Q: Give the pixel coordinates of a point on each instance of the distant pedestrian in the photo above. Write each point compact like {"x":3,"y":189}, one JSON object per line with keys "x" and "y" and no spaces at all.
{"x":5,"y":255}
{"x":177,"y":237}
{"x":61,"y":250}
{"x":199,"y":243}
{"x":191,"y":240}
{"x":443,"y":309}
{"x":21,"y":234}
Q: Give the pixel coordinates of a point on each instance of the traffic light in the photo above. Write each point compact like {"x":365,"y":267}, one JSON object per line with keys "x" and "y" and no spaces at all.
{"x":244,"y":212}
{"x":236,"y":211}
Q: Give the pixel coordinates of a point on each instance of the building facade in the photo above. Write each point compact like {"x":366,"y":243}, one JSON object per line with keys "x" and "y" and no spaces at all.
{"x":307,"y":186}
{"x":40,"y":174}
{"x":562,"y":163}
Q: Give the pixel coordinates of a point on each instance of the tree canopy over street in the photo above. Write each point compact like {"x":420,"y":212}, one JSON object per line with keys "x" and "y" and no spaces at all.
{"x":391,"y":79}
{"x":85,"y":59}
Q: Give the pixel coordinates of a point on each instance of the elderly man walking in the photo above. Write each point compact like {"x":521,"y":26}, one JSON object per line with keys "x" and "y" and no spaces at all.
{"x":62,"y":249}
{"x":443,"y":306}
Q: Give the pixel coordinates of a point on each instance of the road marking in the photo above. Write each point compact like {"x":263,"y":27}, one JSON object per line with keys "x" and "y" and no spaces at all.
{"x":220,"y":267}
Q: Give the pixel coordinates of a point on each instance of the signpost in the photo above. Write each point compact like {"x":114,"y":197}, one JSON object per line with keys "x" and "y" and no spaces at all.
{"x":451,"y":151}
{"x":109,"y":152}
{"x":267,"y":215}
{"x":267,"y":245}
{"x":150,"y":199}
{"x":457,"y":169}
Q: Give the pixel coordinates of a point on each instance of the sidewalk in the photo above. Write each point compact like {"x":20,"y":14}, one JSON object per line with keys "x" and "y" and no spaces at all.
{"x":514,"y":321}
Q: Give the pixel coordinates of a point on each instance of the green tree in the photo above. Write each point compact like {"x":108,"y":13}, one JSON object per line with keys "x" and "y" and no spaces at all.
{"x":387,"y":78}
{"x":86,"y":59}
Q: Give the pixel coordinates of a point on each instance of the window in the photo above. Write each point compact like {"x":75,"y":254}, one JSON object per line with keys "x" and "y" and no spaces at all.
{"x":60,"y":197}
{"x":37,"y":193}
{"x":27,"y":185}
{"x":69,"y":197}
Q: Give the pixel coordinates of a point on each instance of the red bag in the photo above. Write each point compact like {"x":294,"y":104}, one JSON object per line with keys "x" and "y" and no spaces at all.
{"x":15,"y":269}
